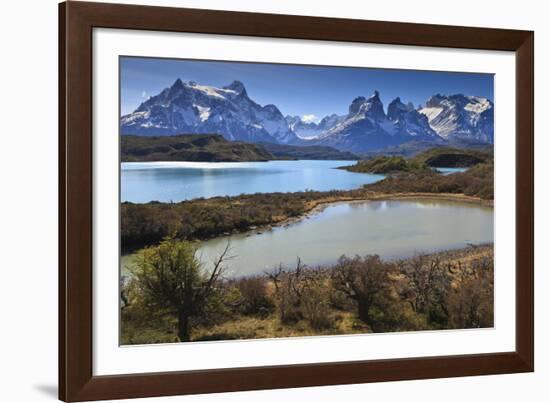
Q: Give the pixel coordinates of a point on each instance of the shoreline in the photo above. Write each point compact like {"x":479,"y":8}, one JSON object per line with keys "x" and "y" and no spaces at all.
{"x":317,"y":206}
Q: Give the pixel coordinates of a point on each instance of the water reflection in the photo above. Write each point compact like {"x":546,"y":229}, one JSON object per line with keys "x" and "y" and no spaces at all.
{"x":388,"y":228}
{"x":175,"y":181}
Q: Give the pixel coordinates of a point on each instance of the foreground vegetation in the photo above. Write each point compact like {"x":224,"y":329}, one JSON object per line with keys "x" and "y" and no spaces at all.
{"x":171,"y":296}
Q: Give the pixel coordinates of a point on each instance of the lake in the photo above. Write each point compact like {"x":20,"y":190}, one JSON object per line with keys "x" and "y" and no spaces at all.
{"x":142,"y":182}
{"x":391,"y":229}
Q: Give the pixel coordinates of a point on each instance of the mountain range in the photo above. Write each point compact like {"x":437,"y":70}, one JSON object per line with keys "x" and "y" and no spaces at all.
{"x":461,"y":117}
{"x":312,"y":130}
{"x":191,"y":108}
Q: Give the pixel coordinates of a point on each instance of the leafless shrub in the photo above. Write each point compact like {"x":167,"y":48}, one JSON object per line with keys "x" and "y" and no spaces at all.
{"x":362,"y":279}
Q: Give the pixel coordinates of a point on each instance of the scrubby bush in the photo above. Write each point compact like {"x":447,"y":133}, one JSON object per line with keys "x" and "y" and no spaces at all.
{"x":362,"y":279}
{"x":146,"y":224}
{"x":302,"y":293}
{"x":476,"y":181}
{"x":426,"y":282}
{"x":289,"y":286}
{"x":254,"y":296}
{"x":470,"y":304}
{"x":315,"y":302}
{"x":170,"y":281}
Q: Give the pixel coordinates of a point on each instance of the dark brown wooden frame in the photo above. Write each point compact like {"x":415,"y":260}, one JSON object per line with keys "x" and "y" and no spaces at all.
{"x":76,"y":22}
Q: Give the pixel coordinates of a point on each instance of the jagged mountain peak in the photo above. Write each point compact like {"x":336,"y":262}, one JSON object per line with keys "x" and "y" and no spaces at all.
{"x":372,"y":106}
{"x":178,"y":84}
{"x":396,"y":108}
{"x":236,"y":86}
{"x":434,"y":100}
{"x":461,"y":116}
{"x":367,"y":127}
{"x":271,"y":108}
{"x":375,"y":96}
{"x":356,"y":105}
{"x":194,"y":108}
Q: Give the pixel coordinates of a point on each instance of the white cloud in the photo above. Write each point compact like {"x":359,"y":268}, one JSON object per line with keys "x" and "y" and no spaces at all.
{"x":309,"y":118}
{"x":143,"y":94}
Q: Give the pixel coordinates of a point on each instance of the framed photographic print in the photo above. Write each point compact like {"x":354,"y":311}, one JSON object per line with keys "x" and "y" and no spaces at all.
{"x":253,"y":201}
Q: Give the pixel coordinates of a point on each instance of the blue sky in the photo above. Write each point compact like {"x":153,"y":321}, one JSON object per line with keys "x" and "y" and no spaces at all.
{"x":312,"y":91}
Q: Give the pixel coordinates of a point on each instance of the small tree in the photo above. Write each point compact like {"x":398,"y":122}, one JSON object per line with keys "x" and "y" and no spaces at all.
{"x":427,"y":282}
{"x":316,"y":300}
{"x":471,"y":304}
{"x":289,"y":288}
{"x":255,"y":299}
{"x":302,"y":293}
{"x":171,"y":280}
{"x":362,"y":280}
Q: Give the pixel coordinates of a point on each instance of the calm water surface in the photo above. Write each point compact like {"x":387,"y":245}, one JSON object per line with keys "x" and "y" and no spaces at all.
{"x":142,"y":182}
{"x":391,"y":229}
{"x":449,"y":171}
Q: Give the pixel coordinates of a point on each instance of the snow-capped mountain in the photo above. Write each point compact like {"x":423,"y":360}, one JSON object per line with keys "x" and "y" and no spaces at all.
{"x":461,"y":117}
{"x":367,"y":127}
{"x":192,"y":108}
{"x":187,"y":107}
{"x":312,"y":130}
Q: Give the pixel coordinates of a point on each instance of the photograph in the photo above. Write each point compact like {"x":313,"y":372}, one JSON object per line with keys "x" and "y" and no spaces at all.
{"x":264,"y":200}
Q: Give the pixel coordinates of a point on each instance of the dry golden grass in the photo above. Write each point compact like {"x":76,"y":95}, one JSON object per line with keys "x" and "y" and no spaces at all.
{"x":246,"y":327}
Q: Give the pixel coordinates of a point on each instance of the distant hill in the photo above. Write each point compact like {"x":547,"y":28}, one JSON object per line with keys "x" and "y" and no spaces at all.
{"x":189,"y":147}
{"x":451,"y":157}
{"x":433,"y":158}
{"x":408,"y":149}
{"x":413,"y":148}
{"x":386,"y":165}
{"x":283,"y":151}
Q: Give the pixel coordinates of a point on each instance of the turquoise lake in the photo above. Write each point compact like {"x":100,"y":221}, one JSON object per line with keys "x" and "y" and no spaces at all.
{"x":142,"y":182}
